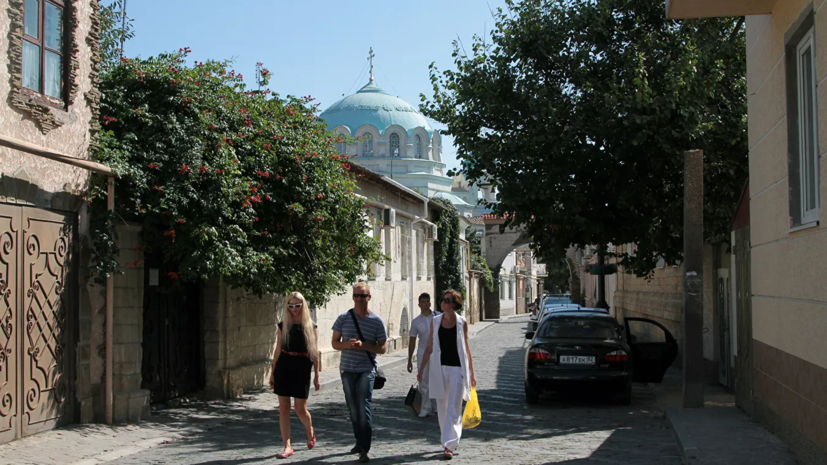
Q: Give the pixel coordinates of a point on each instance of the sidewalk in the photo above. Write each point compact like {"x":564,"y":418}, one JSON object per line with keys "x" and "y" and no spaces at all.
{"x":95,"y":444}
{"x":719,"y":433}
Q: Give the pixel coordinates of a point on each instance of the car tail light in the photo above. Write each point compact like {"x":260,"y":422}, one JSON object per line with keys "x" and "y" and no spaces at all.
{"x":617,"y":356}
{"x":540,"y":355}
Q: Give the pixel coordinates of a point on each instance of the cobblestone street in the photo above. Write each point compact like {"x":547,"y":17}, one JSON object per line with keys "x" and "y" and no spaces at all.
{"x":554,"y":432}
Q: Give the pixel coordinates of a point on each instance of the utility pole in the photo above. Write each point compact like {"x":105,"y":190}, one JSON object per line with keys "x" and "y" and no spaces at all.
{"x":601,"y":277}
{"x":693,"y":287}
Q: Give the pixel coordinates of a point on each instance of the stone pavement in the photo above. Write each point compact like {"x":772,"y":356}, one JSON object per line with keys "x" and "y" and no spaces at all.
{"x":246,"y":431}
{"x":719,"y":433}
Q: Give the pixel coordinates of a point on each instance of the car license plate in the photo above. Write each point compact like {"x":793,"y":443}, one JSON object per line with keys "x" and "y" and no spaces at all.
{"x":576,"y":360}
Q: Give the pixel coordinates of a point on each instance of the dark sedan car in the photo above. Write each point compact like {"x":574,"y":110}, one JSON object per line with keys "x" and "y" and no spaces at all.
{"x":590,"y":351}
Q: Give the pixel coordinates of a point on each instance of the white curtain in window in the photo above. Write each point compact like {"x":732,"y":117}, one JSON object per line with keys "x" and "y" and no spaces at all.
{"x":31,"y":66}
{"x":52,"y":81}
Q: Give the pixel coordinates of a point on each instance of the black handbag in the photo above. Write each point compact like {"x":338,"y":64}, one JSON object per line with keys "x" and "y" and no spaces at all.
{"x":414,"y":400}
{"x":379,"y":379}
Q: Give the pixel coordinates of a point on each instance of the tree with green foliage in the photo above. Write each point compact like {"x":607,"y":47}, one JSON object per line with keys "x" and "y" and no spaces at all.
{"x":579,"y":112}
{"x":229,"y":182}
{"x":478,"y":263}
{"x":447,"y":269}
{"x":116,"y":29}
{"x":558,"y":277}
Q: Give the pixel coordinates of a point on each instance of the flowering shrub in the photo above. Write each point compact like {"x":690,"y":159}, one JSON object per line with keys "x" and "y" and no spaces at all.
{"x":227,"y":181}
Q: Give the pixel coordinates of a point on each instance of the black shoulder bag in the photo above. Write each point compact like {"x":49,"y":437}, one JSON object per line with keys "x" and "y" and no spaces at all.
{"x":379,"y":380}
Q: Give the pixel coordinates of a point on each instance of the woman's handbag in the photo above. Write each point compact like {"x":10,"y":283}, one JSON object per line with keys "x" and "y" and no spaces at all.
{"x":472,"y":416}
{"x":379,"y":379}
{"x":414,"y":399}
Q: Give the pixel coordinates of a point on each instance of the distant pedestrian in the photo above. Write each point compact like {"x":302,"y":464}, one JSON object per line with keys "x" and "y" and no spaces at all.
{"x":452,"y":369}
{"x":295,"y":354}
{"x":358,"y":363}
{"x":420,"y":330}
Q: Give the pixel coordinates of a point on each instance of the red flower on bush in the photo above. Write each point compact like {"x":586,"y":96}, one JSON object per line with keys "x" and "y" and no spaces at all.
{"x":157,"y":188}
{"x":154,"y":165}
{"x":171,"y":233}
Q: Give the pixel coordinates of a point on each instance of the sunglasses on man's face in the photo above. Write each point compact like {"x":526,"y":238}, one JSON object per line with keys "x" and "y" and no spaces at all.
{"x":363,"y":296}
{"x":447,"y":301}
{"x":292,"y":306}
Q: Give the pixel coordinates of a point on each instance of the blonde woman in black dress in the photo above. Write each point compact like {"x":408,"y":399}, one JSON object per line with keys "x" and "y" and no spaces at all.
{"x":296,"y":353}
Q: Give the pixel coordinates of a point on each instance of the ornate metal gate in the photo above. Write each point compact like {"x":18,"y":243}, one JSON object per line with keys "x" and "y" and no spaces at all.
{"x":36,"y":320}
{"x":724,"y":352}
{"x":171,"y":340}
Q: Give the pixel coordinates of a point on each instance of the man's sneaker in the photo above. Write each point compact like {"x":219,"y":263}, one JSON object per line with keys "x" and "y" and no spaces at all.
{"x":355,"y":450}
{"x":363,"y":457}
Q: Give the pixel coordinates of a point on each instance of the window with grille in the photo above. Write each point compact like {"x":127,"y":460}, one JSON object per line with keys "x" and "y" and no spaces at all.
{"x":394,"y":145}
{"x":367,"y":145}
{"x":43,"y":43}
{"x":418,"y":146}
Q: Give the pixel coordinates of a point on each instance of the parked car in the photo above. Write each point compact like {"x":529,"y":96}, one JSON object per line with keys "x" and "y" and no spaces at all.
{"x":577,"y":351}
{"x":564,"y":308}
{"x":547,"y":300}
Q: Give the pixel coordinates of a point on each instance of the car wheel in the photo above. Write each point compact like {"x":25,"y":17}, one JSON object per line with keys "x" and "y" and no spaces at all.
{"x":531,"y":396}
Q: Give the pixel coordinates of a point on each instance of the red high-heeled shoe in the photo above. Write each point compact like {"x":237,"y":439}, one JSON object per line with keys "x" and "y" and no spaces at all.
{"x":311,"y":443}
{"x":284,"y":455}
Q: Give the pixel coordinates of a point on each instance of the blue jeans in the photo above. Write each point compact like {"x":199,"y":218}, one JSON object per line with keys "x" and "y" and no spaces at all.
{"x":358,"y":389}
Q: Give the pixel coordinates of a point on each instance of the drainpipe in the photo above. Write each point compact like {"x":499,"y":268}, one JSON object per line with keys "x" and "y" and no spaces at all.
{"x":110,"y":311}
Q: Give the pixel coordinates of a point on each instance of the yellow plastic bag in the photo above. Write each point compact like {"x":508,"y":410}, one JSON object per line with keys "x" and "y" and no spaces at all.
{"x":472,"y":416}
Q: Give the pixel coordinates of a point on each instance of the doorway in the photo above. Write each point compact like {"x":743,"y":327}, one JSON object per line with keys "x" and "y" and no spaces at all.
{"x":38,"y":308}
{"x":171,"y":344}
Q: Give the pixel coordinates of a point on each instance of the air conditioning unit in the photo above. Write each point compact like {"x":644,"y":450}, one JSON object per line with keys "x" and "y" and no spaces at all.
{"x":388,"y":218}
{"x":431,"y":232}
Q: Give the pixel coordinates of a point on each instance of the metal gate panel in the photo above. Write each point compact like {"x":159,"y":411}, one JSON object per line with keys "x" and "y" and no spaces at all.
{"x":743,"y":276}
{"x":46,"y":371}
{"x":10,"y":220}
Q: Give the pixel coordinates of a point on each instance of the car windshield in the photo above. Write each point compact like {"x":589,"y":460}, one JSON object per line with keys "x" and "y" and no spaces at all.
{"x":578,"y":328}
{"x":556,"y":302}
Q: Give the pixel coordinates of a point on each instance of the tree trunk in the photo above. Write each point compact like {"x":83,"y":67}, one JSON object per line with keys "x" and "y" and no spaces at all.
{"x":601,"y":278}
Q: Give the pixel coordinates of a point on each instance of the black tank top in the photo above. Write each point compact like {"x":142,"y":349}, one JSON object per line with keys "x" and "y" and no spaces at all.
{"x":449,"y":355}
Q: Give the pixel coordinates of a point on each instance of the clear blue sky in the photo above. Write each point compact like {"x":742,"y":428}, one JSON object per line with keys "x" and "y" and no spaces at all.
{"x":317,"y":48}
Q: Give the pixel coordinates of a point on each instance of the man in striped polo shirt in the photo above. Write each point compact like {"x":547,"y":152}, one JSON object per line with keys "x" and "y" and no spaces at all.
{"x":358,"y":362}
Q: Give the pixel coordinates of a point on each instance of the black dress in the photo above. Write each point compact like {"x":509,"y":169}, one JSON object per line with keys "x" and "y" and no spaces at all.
{"x":292,"y":374}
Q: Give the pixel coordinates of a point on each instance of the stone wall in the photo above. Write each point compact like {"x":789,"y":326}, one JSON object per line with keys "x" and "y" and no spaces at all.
{"x":239,"y":333}
{"x":661,"y":299}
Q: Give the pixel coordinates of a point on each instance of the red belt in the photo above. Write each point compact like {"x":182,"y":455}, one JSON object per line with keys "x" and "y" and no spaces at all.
{"x":300,"y":354}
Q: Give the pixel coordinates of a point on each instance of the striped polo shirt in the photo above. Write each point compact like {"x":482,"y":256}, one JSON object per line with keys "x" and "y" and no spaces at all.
{"x":373,"y":330}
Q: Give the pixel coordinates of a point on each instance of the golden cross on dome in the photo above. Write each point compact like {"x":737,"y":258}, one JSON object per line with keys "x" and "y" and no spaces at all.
{"x":370,"y":59}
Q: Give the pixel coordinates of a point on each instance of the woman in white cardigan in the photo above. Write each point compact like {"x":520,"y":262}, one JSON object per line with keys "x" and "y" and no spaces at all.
{"x":451,"y":370}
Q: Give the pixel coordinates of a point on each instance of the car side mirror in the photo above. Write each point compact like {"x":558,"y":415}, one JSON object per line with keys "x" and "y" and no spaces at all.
{"x":529,"y":335}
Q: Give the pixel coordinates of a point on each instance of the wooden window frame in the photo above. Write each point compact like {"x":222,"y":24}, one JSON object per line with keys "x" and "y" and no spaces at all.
{"x":40,"y":95}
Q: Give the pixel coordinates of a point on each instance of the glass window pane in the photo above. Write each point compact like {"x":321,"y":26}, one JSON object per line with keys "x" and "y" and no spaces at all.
{"x":53,"y":75}
{"x":31,"y":66}
{"x":32,"y":15}
{"x":53,"y":27}
{"x":808,"y":169}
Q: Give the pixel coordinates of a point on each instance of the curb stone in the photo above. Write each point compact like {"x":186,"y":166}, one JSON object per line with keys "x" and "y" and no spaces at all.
{"x":686,"y":443}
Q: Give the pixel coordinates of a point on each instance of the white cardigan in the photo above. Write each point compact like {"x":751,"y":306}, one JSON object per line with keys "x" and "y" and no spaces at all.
{"x":436,"y":389}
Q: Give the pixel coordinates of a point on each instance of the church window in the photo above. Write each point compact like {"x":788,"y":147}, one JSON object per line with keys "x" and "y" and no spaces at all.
{"x":418,"y":146}
{"x":367,"y":145}
{"x":394,"y":145}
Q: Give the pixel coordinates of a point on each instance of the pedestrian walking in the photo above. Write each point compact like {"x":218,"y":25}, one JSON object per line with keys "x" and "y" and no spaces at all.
{"x":420,"y":330}
{"x":451,"y":369}
{"x":360,"y":335}
{"x":295,"y":354}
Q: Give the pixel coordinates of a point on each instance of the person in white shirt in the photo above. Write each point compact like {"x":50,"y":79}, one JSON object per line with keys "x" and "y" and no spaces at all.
{"x":420,"y":330}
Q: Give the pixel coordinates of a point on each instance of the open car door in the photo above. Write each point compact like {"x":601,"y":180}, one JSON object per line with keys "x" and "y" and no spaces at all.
{"x":653,"y":349}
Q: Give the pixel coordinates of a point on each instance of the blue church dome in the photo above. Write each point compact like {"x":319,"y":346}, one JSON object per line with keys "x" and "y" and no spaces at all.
{"x":372,"y":105}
